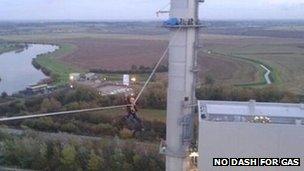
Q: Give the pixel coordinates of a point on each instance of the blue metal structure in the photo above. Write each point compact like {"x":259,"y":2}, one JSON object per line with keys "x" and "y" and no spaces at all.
{"x":172,"y":22}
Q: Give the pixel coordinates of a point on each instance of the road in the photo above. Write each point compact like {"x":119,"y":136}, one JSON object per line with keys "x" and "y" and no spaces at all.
{"x":267,"y":74}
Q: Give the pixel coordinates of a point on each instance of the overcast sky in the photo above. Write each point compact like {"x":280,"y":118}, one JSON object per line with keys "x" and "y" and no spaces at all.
{"x":145,"y":9}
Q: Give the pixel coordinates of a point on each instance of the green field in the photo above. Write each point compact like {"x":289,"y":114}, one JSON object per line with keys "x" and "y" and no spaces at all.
{"x":285,"y":62}
{"x":145,"y":114}
{"x":284,"y":57}
{"x":256,"y":64}
{"x":59,"y":70}
{"x":274,"y":76}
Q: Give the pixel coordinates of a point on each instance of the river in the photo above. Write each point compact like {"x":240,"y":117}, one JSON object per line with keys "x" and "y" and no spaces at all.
{"x":17,"y":71}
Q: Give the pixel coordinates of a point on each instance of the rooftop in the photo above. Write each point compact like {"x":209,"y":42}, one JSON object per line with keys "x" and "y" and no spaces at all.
{"x":227,"y":111}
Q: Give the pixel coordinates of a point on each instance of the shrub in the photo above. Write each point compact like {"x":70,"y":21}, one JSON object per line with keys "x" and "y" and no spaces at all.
{"x":104,"y":129}
{"x":41,"y":124}
{"x":70,"y":128}
{"x":126,"y":134}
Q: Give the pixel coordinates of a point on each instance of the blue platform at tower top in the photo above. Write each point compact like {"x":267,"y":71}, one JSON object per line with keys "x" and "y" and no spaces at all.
{"x":176,"y":23}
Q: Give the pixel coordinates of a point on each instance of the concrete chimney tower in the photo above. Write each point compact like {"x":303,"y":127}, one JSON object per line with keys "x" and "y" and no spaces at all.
{"x":182,"y":81}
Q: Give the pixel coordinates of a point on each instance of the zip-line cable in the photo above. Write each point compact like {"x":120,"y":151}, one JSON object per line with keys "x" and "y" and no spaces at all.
{"x":99,"y":108}
{"x":161,"y":10}
{"x":155,"y":68}
{"x":59,"y":113}
{"x":164,"y":7}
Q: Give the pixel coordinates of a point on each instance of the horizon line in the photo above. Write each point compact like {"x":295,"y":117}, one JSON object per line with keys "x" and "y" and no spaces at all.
{"x":139,"y":20}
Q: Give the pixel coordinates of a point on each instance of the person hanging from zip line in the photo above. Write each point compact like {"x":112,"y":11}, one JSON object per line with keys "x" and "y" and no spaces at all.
{"x":132,"y":112}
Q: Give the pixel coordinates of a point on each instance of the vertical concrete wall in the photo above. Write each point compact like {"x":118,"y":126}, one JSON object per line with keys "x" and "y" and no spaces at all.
{"x":182,"y":58}
{"x":241,"y":140}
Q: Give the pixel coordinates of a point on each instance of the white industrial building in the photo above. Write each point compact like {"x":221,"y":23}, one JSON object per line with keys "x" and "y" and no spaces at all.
{"x":250,"y":130}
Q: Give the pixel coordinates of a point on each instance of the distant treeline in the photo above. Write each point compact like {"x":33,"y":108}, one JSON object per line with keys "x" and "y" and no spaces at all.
{"x":134,"y":70}
{"x":6,"y":46}
{"x":103,"y":124}
{"x":155,"y":96}
{"x":233,"y":93}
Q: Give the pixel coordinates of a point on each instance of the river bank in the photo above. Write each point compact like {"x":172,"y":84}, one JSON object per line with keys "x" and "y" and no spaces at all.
{"x":16,"y":69}
{"x":51,"y":66}
{"x":8,"y":46}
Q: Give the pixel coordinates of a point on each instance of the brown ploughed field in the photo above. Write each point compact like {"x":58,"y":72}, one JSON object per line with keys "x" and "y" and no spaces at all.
{"x":114,"y":54}
{"x":121,"y":54}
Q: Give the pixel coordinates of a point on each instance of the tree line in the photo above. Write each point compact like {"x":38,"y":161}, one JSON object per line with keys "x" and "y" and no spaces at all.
{"x":103,"y":123}
{"x":134,"y":70}
{"x":30,"y":151}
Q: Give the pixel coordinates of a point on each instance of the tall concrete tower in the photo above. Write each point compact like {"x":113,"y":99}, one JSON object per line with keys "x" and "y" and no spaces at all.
{"x":181,"y":88}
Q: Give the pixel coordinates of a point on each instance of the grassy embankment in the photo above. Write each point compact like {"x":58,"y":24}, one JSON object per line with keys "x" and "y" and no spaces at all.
{"x":51,"y":65}
{"x":274,"y":75}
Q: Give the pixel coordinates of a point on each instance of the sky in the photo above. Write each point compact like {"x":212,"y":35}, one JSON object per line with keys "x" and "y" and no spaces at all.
{"x":146,"y":9}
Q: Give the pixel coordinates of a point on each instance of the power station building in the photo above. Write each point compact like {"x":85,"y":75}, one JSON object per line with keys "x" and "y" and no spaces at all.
{"x":235,"y":130}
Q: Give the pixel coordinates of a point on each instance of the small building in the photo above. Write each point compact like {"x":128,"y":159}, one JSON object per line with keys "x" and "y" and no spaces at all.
{"x":39,"y":88}
{"x":90,"y":76}
{"x":126,"y":80}
{"x":74,"y":76}
{"x":114,"y":89}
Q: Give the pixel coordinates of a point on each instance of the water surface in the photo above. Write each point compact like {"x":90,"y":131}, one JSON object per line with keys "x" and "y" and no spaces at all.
{"x":17,"y":71}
